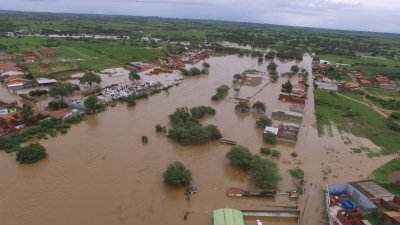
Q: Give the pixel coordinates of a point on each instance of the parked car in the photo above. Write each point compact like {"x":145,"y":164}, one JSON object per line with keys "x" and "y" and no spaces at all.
{"x":259,"y":222}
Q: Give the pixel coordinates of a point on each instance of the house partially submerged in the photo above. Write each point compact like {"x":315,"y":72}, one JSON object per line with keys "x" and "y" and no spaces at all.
{"x":287,"y":115}
{"x":354,"y":198}
{"x":297,"y":108}
{"x":140,"y":66}
{"x":286,"y":132}
{"x":292,"y":98}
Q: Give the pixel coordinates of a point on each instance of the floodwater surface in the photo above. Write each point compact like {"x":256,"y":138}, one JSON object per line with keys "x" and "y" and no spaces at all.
{"x":101,"y":173}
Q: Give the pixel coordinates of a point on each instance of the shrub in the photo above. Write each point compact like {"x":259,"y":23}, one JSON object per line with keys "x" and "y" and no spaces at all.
{"x":200,"y":111}
{"x":298,"y":173}
{"x":270,"y":138}
{"x":131,"y":100}
{"x":294,"y":154}
{"x":56,"y":105}
{"x":63,"y":130}
{"x":74,"y":119}
{"x":158,"y":128}
{"x":40,"y":135}
{"x":145,"y":139}
{"x":52,"y":132}
{"x":393,"y":125}
{"x":31,"y":153}
{"x":395,"y":115}
{"x":276,"y":153}
{"x":265,"y":150}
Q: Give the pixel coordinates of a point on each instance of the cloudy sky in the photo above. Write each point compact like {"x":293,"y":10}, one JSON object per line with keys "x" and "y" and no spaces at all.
{"x":363,"y":15}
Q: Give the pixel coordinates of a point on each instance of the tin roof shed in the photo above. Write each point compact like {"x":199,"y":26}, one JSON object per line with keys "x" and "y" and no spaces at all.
{"x":228,"y":217}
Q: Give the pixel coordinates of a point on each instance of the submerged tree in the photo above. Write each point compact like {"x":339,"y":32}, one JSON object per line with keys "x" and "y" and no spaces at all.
{"x":240,"y":155}
{"x":26,"y":112}
{"x":259,"y":106}
{"x":90,"y":78}
{"x":177,"y":174}
{"x":265,"y":172}
{"x":270,"y":138}
{"x":31,"y":153}
{"x":63,"y":89}
{"x":90,"y":102}
{"x":133,"y":76}
{"x":263,"y":121}
{"x":243,"y":106}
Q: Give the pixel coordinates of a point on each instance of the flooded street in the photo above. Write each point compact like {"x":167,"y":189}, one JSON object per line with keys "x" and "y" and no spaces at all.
{"x":100,"y":172}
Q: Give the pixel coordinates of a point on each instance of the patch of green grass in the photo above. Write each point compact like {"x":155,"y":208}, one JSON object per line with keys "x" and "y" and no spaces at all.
{"x":298,"y":173}
{"x":373,"y":218}
{"x":380,"y":174}
{"x":382,"y":93}
{"x":251,"y":71}
{"x":357,"y":97}
{"x":219,"y":54}
{"x":368,"y":124}
{"x":346,"y":140}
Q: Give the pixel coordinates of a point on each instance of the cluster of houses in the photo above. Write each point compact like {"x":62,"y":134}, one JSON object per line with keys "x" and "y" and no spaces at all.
{"x":346,"y":203}
{"x":176,"y":61}
{"x":11,"y":68}
{"x":8,"y":55}
{"x":382,"y":81}
{"x":321,"y":78}
{"x":285,"y":131}
{"x":11,"y":120}
{"x":171,"y":62}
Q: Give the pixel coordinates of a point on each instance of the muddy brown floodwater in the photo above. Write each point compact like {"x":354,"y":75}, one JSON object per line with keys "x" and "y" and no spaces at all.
{"x":101,"y":172}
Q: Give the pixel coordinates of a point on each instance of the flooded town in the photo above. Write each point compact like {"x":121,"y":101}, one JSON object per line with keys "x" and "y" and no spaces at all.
{"x":102,"y":166}
{"x":114,"y":119}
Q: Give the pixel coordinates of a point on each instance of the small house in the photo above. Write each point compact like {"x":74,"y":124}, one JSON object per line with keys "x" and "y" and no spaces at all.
{"x":237,"y":192}
{"x":30,"y":59}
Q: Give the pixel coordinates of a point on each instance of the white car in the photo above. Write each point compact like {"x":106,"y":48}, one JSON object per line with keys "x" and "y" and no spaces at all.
{"x":259,"y":222}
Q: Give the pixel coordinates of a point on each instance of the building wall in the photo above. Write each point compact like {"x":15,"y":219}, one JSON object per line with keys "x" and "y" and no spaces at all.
{"x":359,"y":197}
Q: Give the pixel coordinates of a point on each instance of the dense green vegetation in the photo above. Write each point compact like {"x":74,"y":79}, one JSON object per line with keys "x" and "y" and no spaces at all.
{"x":222,"y":91}
{"x":176,"y":174}
{"x":31,"y":153}
{"x":240,"y":155}
{"x":51,"y":126}
{"x":264,"y":171}
{"x":187,"y":129}
{"x":298,"y":173}
{"x":331,"y":109}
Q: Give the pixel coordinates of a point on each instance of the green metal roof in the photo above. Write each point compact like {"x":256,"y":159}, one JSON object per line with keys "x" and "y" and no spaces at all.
{"x":228,"y":217}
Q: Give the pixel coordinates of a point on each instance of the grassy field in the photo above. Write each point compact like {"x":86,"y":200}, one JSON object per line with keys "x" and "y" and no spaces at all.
{"x":37,"y":70}
{"x":354,"y":96}
{"x":382,"y":93}
{"x":380,"y":176}
{"x":368,"y":124}
{"x":219,"y":54}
